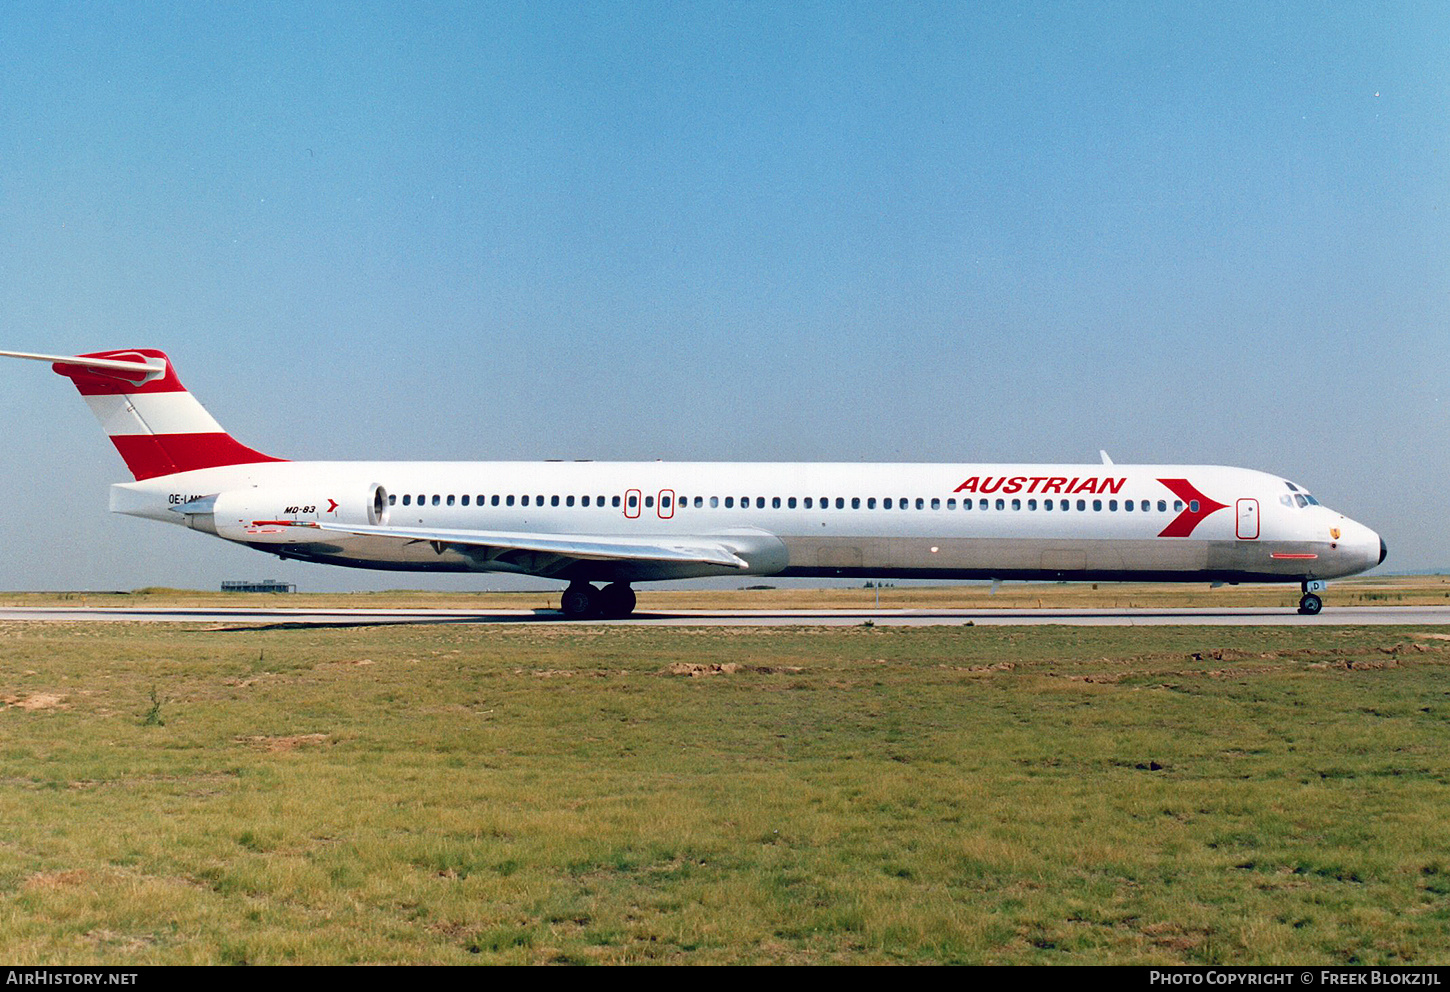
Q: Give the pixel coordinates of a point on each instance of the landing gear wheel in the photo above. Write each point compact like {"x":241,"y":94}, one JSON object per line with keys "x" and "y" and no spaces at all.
{"x":616,"y":601}
{"x":580,"y":600}
{"x":1310,"y":604}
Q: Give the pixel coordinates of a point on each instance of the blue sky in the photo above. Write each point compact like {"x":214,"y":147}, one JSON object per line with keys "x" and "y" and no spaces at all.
{"x":1196,"y":233}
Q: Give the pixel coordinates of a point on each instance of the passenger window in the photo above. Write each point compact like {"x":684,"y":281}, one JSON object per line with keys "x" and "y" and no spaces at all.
{"x":664,"y":502}
{"x":886,"y":503}
{"x":1128,"y":505}
{"x":982,"y":505}
{"x":568,"y":500}
{"x":1193,"y":506}
{"x":760,"y":502}
{"x":464,"y":499}
{"x":1016,"y":504}
{"x":633,"y":500}
{"x":790,"y":503}
{"x":840,"y":503}
{"x":583,"y":500}
{"x":808,"y":502}
{"x":525,"y":500}
{"x":951,"y":504}
{"x":935,"y":503}
{"x":1162,"y":506}
{"x":1145,"y":506}
{"x":775,"y":502}
{"x":1032,"y":504}
{"x":871,"y":502}
{"x":435,"y":499}
{"x":855,"y":502}
{"x":407,"y":499}
{"x":450,"y":499}
{"x":1082,"y":504}
{"x":966,"y":504}
{"x":1178,"y":506}
{"x":493,"y":501}
{"x":1001,"y":504}
{"x":714,"y":502}
{"x":920,"y":503}
{"x":1113,"y":505}
{"x":509,"y":500}
{"x":1047,"y":504}
{"x":1097,"y":506}
{"x":614,"y":502}
{"x":649,"y":502}
{"x":392,"y":499}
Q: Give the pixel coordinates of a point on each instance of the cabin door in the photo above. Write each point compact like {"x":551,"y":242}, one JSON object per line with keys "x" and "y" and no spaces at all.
{"x":1248,"y":520}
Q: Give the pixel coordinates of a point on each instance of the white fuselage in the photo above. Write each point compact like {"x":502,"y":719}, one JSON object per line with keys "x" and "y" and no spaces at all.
{"x":1164,"y":522}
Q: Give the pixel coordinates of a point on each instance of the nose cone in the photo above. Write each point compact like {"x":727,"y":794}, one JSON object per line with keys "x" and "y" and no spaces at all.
{"x":1383,"y":551}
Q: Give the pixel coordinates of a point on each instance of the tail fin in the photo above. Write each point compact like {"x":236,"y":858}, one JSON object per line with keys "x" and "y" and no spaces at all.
{"x":158,"y":427}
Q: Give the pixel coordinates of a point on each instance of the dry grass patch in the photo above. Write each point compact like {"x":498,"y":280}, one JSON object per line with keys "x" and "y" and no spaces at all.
{"x":36,"y":701}
{"x":280,"y":744}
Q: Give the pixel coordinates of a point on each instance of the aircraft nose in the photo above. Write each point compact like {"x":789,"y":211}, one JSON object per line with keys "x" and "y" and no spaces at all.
{"x":1383,"y":551}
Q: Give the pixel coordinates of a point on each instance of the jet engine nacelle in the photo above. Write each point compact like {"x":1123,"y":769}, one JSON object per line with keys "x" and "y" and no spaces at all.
{"x":286,"y":515}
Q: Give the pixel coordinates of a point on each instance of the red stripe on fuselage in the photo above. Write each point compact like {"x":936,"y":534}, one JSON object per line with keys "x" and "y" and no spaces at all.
{"x":1183,"y":524}
{"x":150,"y":455}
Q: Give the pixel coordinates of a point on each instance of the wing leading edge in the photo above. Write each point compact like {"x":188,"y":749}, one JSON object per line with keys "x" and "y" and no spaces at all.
{"x":581,"y":546}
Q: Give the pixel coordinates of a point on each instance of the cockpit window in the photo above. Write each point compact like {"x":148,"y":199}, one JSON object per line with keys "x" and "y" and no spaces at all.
{"x":1311,"y":499}
{"x":1292,"y":488}
{"x":1299,"y":498}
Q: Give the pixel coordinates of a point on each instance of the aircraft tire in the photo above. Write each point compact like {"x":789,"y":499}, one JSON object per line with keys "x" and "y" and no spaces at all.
{"x":1310,"y":604}
{"x":616,"y":601}
{"x":580,"y":601}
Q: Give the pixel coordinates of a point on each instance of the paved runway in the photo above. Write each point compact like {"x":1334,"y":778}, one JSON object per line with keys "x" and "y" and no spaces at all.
{"x":1344,"y":615}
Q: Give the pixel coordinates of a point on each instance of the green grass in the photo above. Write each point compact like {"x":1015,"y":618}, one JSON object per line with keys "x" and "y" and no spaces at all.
{"x":1371,"y":590}
{"x":500,"y":794}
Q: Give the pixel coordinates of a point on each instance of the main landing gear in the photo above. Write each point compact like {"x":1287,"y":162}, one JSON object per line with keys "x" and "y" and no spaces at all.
{"x":1310,"y":603}
{"x":582,"y":601}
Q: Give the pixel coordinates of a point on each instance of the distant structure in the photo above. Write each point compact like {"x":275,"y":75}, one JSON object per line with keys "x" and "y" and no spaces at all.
{"x":266,"y":585}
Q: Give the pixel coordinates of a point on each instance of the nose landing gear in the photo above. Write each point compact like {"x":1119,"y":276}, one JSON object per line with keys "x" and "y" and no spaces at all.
{"x":581,"y":601}
{"x":1310,"y":603}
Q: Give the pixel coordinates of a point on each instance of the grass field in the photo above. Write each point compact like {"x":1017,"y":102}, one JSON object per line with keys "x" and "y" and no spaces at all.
{"x":863,"y":794}
{"x":1395,"y":590}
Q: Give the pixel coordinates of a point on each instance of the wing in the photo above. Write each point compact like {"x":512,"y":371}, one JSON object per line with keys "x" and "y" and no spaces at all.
{"x":682,"y":550}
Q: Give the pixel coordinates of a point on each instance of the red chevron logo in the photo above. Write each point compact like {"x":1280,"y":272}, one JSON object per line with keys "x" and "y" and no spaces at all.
{"x":1198,"y":507}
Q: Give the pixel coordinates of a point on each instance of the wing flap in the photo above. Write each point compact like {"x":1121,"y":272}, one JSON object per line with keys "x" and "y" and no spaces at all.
{"x":582,"y":546}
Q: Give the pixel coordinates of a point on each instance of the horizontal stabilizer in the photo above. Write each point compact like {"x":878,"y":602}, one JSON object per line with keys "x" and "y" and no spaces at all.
{"x":142,"y":370}
{"x":593,"y":548}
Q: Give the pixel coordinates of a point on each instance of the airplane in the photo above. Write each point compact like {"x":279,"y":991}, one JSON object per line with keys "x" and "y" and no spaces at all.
{"x":617,"y":523}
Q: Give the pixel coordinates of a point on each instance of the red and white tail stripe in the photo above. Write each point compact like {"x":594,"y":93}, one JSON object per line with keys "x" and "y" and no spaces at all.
{"x":158,"y":427}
